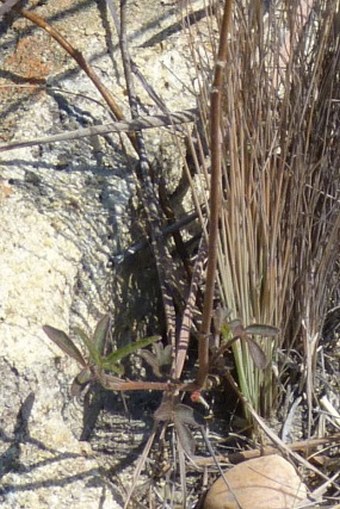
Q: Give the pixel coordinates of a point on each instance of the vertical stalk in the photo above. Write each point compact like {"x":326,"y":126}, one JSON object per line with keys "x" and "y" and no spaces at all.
{"x":147,"y":192}
{"x":215,"y":192}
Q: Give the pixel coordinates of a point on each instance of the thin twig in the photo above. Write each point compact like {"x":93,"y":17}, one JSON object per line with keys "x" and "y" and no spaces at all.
{"x":141,"y":462}
{"x":143,"y":244}
{"x":117,"y":127}
{"x":219,"y":468}
{"x":240,"y":456}
{"x":78,"y":57}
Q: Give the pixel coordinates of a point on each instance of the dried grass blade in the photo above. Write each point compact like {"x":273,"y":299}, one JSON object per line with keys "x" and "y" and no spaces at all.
{"x":140,"y":464}
{"x":179,"y":117}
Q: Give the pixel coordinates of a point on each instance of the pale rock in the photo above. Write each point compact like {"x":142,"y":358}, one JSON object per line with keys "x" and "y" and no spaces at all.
{"x":268,"y":482}
{"x":64,"y":216}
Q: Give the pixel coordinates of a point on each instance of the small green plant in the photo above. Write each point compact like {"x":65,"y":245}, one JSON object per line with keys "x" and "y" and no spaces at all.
{"x":234,"y":330}
{"x":159,"y":359}
{"x":273,"y":214}
{"x":96,"y":362}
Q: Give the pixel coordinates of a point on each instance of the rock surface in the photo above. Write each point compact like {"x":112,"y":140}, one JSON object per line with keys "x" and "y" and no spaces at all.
{"x":65,"y":217}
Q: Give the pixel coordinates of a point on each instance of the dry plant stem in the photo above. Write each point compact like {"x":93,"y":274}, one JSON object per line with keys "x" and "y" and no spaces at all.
{"x":78,"y":57}
{"x":140,"y":464}
{"x":238,"y":457}
{"x":148,"y":195}
{"x":215,"y":192}
{"x":284,"y":448}
{"x":148,"y":88}
{"x":184,"y":334}
{"x":100,"y":130}
{"x":162,"y":191}
{"x":112,"y":383}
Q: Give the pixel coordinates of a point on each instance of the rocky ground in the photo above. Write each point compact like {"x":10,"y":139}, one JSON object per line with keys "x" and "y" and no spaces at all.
{"x":66,"y":214}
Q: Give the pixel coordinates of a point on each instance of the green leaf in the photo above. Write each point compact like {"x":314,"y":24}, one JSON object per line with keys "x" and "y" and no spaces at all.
{"x":115,"y":367}
{"x":153,"y":362}
{"x":226,"y":332}
{"x":220,"y":317}
{"x":113,"y":358}
{"x":160,"y":359}
{"x":61,"y":339}
{"x":262,"y":330}
{"x":89,"y":344}
{"x":257,"y":354}
{"x":236,"y":327}
{"x":101,"y":332}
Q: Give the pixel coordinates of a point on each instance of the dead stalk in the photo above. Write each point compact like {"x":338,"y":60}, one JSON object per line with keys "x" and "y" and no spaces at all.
{"x":77,"y":56}
{"x":215,"y":192}
{"x":148,"y":190}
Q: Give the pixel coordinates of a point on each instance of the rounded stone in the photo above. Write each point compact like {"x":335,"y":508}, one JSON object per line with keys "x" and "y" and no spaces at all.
{"x":260,"y":483}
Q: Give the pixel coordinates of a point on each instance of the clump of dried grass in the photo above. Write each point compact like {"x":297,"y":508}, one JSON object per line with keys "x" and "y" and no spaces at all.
{"x":279,"y":224}
{"x":280,"y":221}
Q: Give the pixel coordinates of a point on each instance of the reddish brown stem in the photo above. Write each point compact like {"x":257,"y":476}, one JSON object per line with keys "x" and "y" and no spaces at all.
{"x":114,"y":383}
{"x":215,"y":192}
{"x":78,"y":57}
